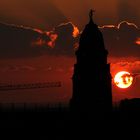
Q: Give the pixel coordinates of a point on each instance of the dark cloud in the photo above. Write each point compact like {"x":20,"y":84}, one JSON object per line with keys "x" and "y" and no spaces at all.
{"x":24,"y":42}
{"x":66,"y":40}
{"x":16,"y":42}
{"x":121,"y":40}
{"x":62,"y":40}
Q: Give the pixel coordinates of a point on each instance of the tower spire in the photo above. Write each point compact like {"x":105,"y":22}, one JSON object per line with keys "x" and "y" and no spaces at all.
{"x":91,"y":14}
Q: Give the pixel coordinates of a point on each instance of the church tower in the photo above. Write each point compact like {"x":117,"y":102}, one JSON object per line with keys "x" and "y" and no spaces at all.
{"x":91,"y":79}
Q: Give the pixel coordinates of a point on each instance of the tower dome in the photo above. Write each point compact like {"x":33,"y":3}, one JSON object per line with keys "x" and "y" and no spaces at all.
{"x":91,"y":36}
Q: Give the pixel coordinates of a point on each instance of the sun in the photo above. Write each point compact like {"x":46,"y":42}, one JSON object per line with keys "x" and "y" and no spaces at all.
{"x":123,"y":79}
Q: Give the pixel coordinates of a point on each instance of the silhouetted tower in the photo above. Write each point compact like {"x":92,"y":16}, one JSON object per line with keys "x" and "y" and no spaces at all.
{"x":91,"y":79}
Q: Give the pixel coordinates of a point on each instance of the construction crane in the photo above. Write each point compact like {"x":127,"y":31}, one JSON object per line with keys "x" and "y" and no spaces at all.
{"x":5,"y":87}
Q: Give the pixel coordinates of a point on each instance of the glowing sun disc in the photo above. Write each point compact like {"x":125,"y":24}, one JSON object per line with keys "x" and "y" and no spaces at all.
{"x":123,"y":79}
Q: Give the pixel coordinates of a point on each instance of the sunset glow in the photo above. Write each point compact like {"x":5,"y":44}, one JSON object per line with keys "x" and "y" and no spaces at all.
{"x":123,"y":79}
{"x":138,"y":41}
{"x":75,"y":31}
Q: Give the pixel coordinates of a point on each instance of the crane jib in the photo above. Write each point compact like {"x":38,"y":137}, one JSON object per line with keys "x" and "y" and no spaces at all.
{"x":6,"y":87}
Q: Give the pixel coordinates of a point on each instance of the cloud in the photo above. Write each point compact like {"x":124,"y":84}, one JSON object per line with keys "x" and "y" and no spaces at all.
{"x":49,"y":41}
{"x":53,"y":36}
{"x":121,"y":40}
{"x":119,"y":25}
{"x":24,"y":42}
{"x":39,"y":42}
{"x":75,"y":32}
{"x":68,"y":35}
{"x":16,"y":41}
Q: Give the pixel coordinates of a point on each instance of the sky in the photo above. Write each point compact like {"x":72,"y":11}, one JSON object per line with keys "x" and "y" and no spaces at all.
{"x":38,"y":40}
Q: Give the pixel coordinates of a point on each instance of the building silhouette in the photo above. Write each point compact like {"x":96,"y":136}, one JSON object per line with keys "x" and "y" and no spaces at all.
{"x":91,"y":79}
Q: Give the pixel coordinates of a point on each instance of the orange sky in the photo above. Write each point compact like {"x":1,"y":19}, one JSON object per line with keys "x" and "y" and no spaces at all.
{"x":54,"y":69}
{"x":44,"y":15}
{"x":49,"y":13}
